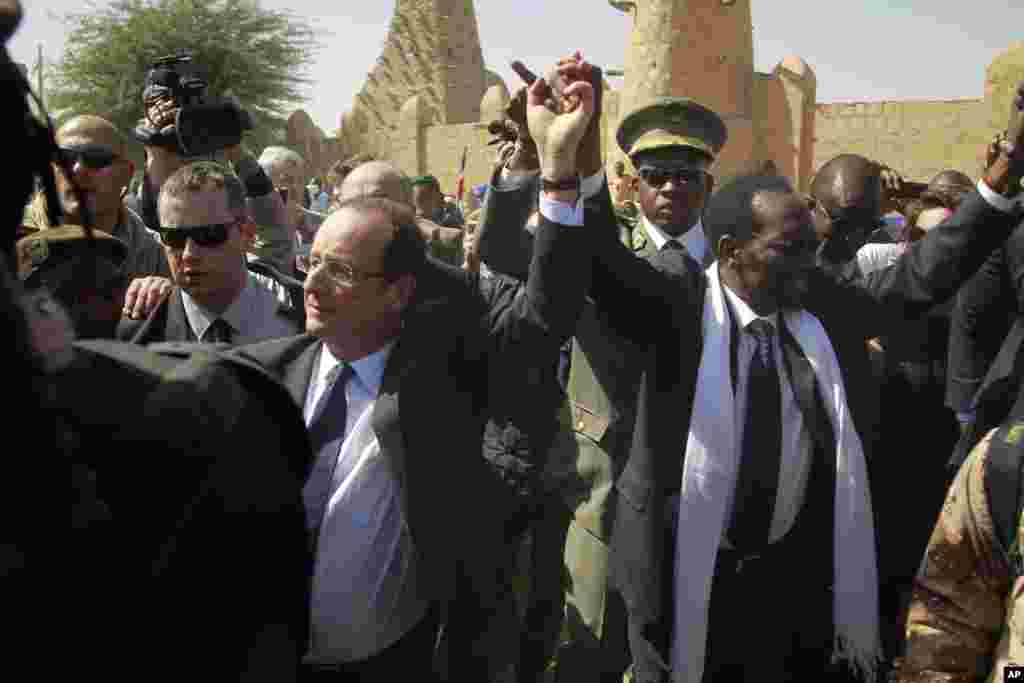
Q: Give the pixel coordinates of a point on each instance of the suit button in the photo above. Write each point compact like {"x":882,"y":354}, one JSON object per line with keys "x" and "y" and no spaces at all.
{"x":579,"y":425}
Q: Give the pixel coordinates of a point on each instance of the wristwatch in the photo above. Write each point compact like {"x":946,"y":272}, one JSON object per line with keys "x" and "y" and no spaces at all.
{"x":562,"y":185}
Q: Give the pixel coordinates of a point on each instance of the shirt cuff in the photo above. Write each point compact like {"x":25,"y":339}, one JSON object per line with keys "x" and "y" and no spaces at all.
{"x":998,"y":201}
{"x":562,"y":213}
{"x":966,"y":417}
{"x":591,"y":185}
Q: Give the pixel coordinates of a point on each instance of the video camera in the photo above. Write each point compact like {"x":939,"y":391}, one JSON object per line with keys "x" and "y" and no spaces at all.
{"x":179,"y":114}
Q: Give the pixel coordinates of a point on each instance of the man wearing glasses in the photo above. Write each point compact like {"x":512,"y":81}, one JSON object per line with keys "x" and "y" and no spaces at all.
{"x":95,"y":152}
{"x":206,"y":233}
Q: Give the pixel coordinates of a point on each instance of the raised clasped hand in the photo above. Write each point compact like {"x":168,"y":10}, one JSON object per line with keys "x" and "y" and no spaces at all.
{"x":558,"y":117}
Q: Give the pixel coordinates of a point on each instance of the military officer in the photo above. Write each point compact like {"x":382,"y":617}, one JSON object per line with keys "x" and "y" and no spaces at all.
{"x":672,"y":142}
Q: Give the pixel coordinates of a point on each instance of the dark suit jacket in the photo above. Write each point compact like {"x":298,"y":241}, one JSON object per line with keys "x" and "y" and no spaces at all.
{"x":659,"y":304}
{"x":986,"y":335}
{"x":603,"y":377}
{"x":429,"y":415}
{"x":167,"y":322}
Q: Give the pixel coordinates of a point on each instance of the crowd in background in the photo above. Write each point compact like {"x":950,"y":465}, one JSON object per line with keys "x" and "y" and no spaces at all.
{"x":637,"y":425}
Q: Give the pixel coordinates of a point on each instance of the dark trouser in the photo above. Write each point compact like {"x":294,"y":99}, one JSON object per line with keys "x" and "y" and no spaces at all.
{"x":410,"y":657}
{"x":910,"y":478}
{"x":532,"y":587}
{"x":767,"y":624}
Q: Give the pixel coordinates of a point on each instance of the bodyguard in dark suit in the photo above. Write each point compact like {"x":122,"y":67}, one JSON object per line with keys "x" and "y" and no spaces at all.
{"x":205,"y":231}
{"x":394,"y":381}
{"x":792,"y":578}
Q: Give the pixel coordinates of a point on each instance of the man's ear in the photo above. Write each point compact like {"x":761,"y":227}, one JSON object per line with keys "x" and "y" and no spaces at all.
{"x":401,"y":292}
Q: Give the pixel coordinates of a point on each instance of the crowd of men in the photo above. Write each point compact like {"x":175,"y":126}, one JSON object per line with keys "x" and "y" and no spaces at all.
{"x":640,"y":426}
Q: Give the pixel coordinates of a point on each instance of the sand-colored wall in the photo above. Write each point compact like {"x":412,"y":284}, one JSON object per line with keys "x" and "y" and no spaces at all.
{"x":921,"y":138}
{"x":917,"y":138}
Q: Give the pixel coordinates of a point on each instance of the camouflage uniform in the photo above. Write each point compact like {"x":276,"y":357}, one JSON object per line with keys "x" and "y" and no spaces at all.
{"x":966,"y":617}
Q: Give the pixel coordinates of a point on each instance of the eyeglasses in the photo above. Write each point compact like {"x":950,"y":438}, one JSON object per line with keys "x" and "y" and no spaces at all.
{"x":339,"y":272}
{"x":212,"y":235}
{"x":93,"y":157}
{"x":657,"y":176}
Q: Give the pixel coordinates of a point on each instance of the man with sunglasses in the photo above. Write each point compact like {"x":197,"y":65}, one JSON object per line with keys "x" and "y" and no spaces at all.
{"x":745,"y":497}
{"x":672,"y":142}
{"x":206,"y":233}
{"x":95,"y":152}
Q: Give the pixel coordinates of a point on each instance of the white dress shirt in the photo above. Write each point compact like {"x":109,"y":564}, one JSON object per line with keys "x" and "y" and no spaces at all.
{"x":797,"y":453}
{"x":872,"y":257}
{"x":253,"y":316}
{"x":365,"y":594}
{"x":693,"y":240}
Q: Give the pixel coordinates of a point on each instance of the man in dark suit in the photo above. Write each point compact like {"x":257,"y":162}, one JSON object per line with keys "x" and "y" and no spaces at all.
{"x":798,"y":552}
{"x":206,"y":231}
{"x":668,"y":140}
{"x":393,"y":377}
{"x":986,"y":335}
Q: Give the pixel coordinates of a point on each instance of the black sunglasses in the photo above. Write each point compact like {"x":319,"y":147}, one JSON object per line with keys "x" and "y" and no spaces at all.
{"x":657,"y":176}
{"x":92,"y":156}
{"x":843,"y":221}
{"x":204,"y":235}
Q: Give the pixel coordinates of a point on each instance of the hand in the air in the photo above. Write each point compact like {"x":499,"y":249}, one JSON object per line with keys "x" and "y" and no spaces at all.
{"x":145,"y":294}
{"x":558,"y":117}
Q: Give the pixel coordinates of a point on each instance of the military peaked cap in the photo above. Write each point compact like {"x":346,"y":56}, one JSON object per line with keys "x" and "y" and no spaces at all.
{"x":672,"y":122}
{"x":47,"y":252}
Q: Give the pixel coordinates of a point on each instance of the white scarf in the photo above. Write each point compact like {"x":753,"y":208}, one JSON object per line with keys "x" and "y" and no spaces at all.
{"x":709,"y":476}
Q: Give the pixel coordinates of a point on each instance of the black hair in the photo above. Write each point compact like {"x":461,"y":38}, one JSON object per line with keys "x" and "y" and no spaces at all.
{"x":407,"y":251}
{"x":730,"y":211}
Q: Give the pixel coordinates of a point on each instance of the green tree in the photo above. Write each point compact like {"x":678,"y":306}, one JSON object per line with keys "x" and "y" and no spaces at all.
{"x":260,"y":56}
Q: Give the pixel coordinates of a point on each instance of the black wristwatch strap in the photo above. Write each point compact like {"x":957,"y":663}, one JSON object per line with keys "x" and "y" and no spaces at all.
{"x":564,"y":184}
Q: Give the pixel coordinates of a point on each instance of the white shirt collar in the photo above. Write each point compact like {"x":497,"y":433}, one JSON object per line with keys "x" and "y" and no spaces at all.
{"x":693,"y":240}
{"x":369,"y":369}
{"x":200,"y":318}
{"x":744,"y":313}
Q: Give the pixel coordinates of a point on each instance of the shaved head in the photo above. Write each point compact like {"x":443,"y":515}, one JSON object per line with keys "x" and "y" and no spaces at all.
{"x":92,"y":130}
{"x":377,"y":179}
{"x":847,"y":181}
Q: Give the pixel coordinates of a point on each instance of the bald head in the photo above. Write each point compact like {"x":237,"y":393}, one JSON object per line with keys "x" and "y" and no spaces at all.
{"x":377,"y":179}
{"x":92,"y":130}
{"x":848,"y":181}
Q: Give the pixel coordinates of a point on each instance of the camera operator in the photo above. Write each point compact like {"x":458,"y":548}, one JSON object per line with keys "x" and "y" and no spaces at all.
{"x":183,"y":124}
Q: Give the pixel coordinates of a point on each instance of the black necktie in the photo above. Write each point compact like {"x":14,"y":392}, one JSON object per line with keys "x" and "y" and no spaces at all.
{"x":219,"y":331}
{"x":757,"y":484}
{"x":326,"y":434}
{"x":672,"y":244}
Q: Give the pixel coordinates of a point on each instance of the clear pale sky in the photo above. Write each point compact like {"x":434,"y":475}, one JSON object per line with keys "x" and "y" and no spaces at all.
{"x":861,"y":50}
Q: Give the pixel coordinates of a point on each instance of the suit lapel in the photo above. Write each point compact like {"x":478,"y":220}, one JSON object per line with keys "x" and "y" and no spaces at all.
{"x":299,"y":374}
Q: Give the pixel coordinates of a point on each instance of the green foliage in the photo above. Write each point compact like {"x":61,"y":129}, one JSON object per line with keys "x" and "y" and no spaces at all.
{"x":259,"y":56}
